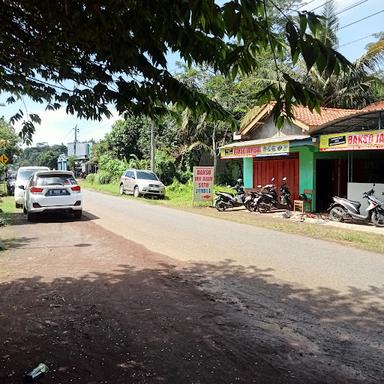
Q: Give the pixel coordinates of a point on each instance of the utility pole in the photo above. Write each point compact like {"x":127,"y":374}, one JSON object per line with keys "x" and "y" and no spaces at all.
{"x":153,"y":148}
{"x":75,"y":143}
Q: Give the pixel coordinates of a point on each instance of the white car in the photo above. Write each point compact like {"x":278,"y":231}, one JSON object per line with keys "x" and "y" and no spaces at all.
{"x":141,"y":182}
{"x":22,"y":177}
{"x":52,"y":191}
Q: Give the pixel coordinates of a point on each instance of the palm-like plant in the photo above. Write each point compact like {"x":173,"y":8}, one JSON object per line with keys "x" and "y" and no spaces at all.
{"x":357,"y":87}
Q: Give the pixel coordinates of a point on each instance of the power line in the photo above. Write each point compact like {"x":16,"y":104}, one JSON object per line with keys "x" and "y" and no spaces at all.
{"x":357,"y":40}
{"x":362,"y":19}
{"x":351,"y":7}
{"x":321,"y":5}
{"x":304,"y":5}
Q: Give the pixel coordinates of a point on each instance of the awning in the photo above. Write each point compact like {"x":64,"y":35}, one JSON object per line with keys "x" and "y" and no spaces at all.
{"x":273,"y":146}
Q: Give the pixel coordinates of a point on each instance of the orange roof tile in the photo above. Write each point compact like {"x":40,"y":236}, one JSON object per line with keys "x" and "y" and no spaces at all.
{"x":313,"y":119}
{"x":379,"y":105}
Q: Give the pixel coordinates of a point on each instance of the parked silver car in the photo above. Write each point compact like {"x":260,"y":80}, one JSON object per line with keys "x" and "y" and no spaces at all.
{"x":52,"y":191}
{"x":23,"y":175}
{"x":141,"y":182}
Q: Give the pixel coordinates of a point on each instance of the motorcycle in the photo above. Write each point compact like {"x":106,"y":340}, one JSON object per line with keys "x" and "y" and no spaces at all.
{"x":226,"y":200}
{"x":251,"y":200}
{"x":269,"y":199}
{"x":344,"y":209}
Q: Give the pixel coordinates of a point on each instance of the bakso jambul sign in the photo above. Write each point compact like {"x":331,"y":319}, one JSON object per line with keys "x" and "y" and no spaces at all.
{"x":352,"y":141}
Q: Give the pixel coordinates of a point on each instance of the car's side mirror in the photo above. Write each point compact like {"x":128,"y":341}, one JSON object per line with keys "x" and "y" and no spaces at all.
{"x":21,"y":187}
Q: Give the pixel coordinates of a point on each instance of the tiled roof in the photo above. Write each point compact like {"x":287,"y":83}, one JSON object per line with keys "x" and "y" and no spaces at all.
{"x":306,"y":119}
{"x":313,"y":119}
{"x":378,"y":106}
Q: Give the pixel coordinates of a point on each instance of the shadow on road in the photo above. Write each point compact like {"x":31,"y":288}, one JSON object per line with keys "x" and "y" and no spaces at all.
{"x":194,"y":325}
{"x":19,"y":218}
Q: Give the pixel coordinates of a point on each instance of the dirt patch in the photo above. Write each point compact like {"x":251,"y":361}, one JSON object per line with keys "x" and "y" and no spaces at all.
{"x":97,"y":308}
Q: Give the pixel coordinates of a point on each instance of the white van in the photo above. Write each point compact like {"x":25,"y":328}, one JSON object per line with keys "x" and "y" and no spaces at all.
{"x":23,"y":175}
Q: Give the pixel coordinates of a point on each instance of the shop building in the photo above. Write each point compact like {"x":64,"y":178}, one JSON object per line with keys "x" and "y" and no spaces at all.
{"x":337,"y":152}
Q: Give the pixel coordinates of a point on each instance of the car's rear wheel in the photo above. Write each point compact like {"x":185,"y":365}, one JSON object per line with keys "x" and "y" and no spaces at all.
{"x":78,"y":214}
{"x":136,"y":192}
{"x":24,"y":209}
{"x":31,"y":216}
{"x":121,"y":189}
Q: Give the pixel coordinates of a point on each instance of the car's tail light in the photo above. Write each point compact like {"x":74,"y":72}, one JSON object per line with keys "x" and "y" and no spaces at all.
{"x":36,"y":190}
{"x":76,"y":188}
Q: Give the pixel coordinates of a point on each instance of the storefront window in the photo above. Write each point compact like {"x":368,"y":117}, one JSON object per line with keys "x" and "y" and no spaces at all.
{"x":367,"y":167}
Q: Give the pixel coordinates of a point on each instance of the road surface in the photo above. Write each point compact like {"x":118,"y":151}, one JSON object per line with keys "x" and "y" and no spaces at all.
{"x":136,"y":293}
{"x":196,"y":238}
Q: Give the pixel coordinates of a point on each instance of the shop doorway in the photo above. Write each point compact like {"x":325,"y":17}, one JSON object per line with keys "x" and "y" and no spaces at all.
{"x":331,"y":180}
{"x":278,"y":167}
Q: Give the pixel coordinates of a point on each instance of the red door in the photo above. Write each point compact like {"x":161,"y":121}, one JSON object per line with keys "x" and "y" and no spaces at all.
{"x":278,"y":167}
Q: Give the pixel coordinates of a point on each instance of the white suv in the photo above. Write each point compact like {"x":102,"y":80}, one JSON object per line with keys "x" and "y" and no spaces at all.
{"x":141,"y":182}
{"x":23,"y":175}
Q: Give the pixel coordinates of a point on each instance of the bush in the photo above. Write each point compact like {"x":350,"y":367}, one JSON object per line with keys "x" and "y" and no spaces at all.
{"x":90,"y":178}
{"x":110,"y":169}
{"x":165,"y":167}
{"x":104,"y":177}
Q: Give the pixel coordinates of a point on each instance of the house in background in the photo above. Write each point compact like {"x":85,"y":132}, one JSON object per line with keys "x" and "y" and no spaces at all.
{"x":81,"y":152}
{"x":337,"y":152}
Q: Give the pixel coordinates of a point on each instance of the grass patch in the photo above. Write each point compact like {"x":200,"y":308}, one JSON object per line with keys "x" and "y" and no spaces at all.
{"x":7,"y":206}
{"x":177,"y":195}
{"x":180,"y":196}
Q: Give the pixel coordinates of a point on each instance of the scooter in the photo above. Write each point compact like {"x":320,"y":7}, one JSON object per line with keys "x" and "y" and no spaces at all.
{"x":226,"y":200}
{"x":251,"y":200}
{"x":269,"y":199}
{"x":344,"y":209}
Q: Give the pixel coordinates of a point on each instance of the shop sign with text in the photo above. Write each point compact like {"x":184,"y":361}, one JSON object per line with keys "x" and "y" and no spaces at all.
{"x":352,"y":141}
{"x":276,"y":149}
{"x":203,"y":178}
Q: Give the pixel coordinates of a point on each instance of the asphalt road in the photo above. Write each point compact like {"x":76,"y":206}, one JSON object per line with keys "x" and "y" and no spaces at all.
{"x":298,"y":260}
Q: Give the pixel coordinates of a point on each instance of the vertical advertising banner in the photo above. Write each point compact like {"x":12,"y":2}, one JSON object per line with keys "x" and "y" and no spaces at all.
{"x":203,"y":178}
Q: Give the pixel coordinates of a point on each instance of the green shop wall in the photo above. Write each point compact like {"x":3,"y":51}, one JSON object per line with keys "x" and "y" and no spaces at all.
{"x":248,"y":172}
{"x":307,"y":170}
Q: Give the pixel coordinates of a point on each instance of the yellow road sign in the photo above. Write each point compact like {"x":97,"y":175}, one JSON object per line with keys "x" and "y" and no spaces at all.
{"x":4,"y":159}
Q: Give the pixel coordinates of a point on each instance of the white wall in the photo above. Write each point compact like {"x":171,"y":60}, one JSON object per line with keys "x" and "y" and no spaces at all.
{"x":269,"y":129}
{"x":356,"y":190}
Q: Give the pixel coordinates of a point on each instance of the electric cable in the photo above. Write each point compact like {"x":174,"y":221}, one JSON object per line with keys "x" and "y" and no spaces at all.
{"x":362,"y":19}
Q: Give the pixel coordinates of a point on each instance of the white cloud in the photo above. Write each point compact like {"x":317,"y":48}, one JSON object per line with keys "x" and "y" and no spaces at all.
{"x":58,"y":127}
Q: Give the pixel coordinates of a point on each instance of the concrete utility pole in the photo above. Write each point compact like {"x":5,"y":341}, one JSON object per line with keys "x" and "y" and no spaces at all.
{"x":153,"y":147}
{"x":75,"y":143}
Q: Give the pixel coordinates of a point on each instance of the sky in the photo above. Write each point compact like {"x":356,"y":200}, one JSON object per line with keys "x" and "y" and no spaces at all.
{"x":57,"y":127}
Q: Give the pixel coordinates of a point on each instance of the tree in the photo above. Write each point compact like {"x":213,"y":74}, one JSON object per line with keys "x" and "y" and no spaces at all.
{"x":9,"y":141}
{"x":357,"y":87}
{"x":45,"y":156}
{"x":119,"y":55}
{"x":122,"y":141}
{"x":48,"y":159}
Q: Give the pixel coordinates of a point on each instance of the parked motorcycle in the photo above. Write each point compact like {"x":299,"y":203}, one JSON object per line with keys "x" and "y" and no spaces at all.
{"x":251,"y":200}
{"x":269,"y":199}
{"x":344,"y":209}
{"x":226,"y":200}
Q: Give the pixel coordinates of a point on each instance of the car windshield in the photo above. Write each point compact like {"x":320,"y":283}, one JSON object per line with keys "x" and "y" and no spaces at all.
{"x":146,"y":175}
{"x":25,"y":174}
{"x":44,"y":180}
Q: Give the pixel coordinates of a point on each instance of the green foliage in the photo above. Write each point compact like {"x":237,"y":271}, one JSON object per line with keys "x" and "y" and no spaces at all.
{"x":105,"y":63}
{"x":122,"y":141}
{"x":48,"y":159}
{"x":44,"y":156}
{"x":9,"y":141}
{"x":71,"y":163}
{"x":103,"y":177}
{"x":91,"y":178}
{"x":165,"y":167}
{"x":110,"y":169}
{"x":97,"y":150}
